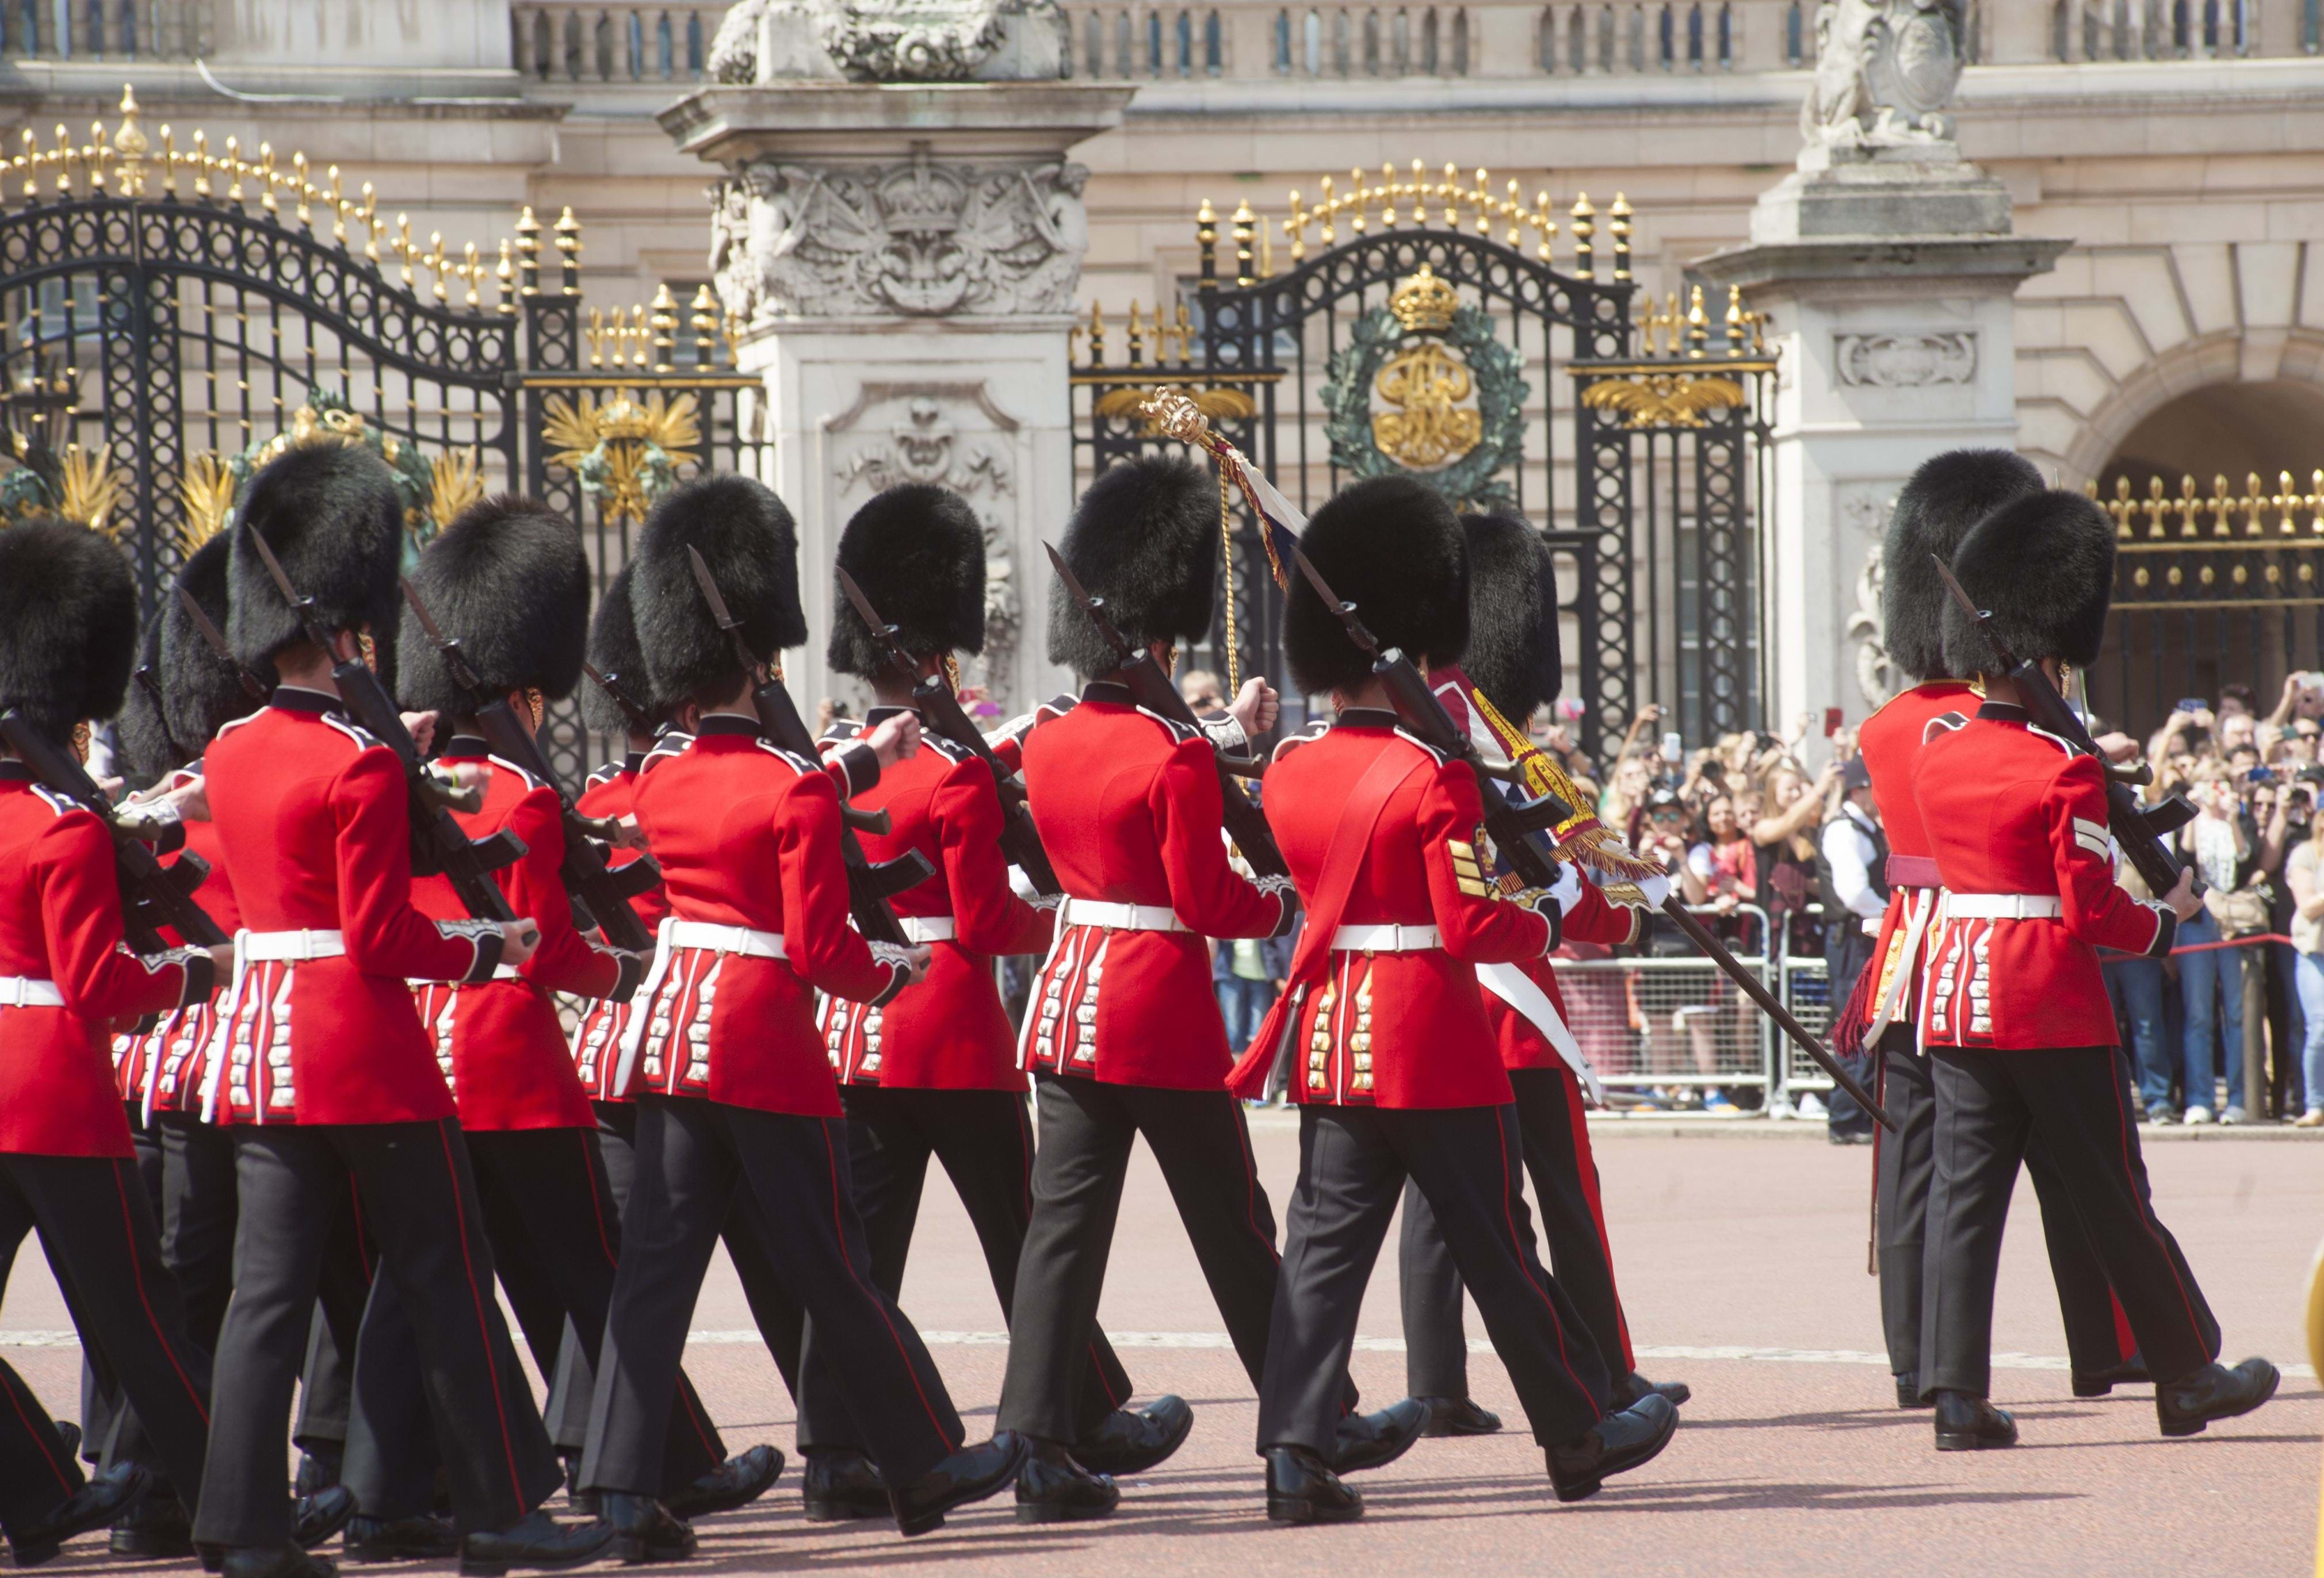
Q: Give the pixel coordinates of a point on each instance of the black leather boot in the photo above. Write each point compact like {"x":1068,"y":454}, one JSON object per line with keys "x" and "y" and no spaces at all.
{"x":643,"y":1529}
{"x":1126,"y":1443}
{"x":1301,"y":1490}
{"x":738,"y":1482}
{"x":841,"y":1485}
{"x":319,"y":1517}
{"x":158,"y":1529}
{"x":1459,"y":1416}
{"x":538,"y":1541}
{"x":318,"y":1470}
{"x":1908,"y":1390}
{"x":1052,"y":1487}
{"x":2099,"y":1382}
{"x":1634,"y":1386}
{"x":275,"y":1562}
{"x":1971,"y":1424}
{"x":423,"y":1537}
{"x":970,"y":1474}
{"x":1375,"y":1440}
{"x":1620,"y":1442}
{"x":2214,"y":1392}
{"x":93,"y":1506}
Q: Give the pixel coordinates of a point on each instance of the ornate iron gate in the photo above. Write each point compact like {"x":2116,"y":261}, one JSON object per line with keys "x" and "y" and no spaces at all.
{"x":169,"y":317}
{"x":1427,"y":335}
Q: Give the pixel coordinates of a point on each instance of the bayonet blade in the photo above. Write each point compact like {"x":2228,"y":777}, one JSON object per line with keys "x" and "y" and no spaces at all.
{"x":1960,"y":595}
{"x":458,"y":664}
{"x":274,"y":568}
{"x":881,"y":630}
{"x":214,"y":639}
{"x":752,"y":661}
{"x":1346,"y":610}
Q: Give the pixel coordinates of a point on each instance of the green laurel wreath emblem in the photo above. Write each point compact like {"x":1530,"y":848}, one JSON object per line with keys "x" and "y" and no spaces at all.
{"x":1472,"y":481}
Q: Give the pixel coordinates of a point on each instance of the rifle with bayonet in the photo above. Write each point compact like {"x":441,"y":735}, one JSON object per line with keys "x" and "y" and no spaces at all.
{"x":933,"y":697}
{"x":152,"y":896}
{"x":600,"y":894}
{"x":1514,"y":827}
{"x":438,"y":844}
{"x":640,"y":721}
{"x":1151,"y":689}
{"x":2141,"y":830}
{"x":870,"y":886}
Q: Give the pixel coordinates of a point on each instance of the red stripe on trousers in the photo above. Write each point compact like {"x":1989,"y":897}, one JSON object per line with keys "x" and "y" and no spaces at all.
{"x":483,"y":1328}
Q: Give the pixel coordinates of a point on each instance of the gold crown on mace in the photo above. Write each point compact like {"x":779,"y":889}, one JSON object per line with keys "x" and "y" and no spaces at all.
{"x":1424,"y":304}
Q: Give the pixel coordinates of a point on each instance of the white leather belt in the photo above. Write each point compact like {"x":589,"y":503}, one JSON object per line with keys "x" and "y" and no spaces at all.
{"x":1385,"y":939}
{"x":257,"y":946}
{"x":501,"y":972}
{"x":719,"y":939}
{"x":1119,"y":917}
{"x":2002,"y":906}
{"x":930,"y":928}
{"x":24,"y":992}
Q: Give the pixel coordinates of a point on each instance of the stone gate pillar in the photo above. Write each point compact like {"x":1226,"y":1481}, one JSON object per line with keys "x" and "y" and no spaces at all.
{"x":1888,"y":269}
{"x":897,"y":237}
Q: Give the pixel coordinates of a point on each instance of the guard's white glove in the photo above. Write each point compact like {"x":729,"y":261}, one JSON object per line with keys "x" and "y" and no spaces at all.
{"x":1657,"y":889}
{"x":1567,"y":889}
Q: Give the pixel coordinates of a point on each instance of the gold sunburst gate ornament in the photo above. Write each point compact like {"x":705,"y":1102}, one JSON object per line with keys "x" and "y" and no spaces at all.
{"x":89,"y":486}
{"x":1665,"y":400}
{"x":456,"y":481}
{"x":626,"y":452}
{"x":207,"y":491}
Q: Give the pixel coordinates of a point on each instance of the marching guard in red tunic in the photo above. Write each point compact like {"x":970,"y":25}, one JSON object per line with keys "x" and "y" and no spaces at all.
{"x":508,"y":581}
{"x":935,"y":1075}
{"x":2020,"y":1033}
{"x":1122,"y":1033}
{"x":1514,"y":663}
{"x":610,"y":796}
{"x":67,"y":1172}
{"x":1936,"y":509}
{"x":1397,"y":1070}
{"x":320,"y":1065}
{"x":733,"y":1087}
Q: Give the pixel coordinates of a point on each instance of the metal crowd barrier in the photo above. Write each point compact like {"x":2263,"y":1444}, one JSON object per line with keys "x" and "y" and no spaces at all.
{"x":1676,"y":1020}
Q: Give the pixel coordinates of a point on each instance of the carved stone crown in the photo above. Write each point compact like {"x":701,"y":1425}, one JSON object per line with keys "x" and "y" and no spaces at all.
{"x":1424,"y":304}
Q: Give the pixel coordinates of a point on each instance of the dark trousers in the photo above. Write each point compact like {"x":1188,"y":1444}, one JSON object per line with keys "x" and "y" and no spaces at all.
{"x":1199,"y":1140}
{"x":1905,"y":1173}
{"x":984,"y":1139}
{"x":110,"y":1432}
{"x":417,"y":1194}
{"x":1993,"y":1108}
{"x":96,"y":1224}
{"x":692,"y":1158}
{"x":1353,"y":1162}
{"x":555,"y":1234}
{"x":1557,"y":1155}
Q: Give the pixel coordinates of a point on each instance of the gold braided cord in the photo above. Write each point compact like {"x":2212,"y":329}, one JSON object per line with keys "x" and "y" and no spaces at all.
{"x":951,"y":672}
{"x":1226,"y":548}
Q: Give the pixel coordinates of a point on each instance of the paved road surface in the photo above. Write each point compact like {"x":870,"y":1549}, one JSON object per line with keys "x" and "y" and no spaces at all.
{"x":1742,"y":1262}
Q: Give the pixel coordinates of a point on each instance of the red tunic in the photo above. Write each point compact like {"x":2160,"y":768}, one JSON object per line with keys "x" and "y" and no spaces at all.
{"x":60,"y":924}
{"x":2009,"y":809}
{"x":1890,"y":744}
{"x":1127,"y":803}
{"x":499,"y":1042}
{"x":1395,"y":1029}
{"x":169,"y":1054}
{"x":950,"y":1031}
{"x":748,"y":836}
{"x":312,"y":817}
{"x":611,"y":795}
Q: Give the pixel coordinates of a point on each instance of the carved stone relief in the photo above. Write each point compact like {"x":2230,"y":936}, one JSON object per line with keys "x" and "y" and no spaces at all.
{"x":951,"y":436}
{"x":1864,"y":510}
{"x":925,"y":238}
{"x":1905,"y":361}
{"x":888,"y":41}
{"x":1885,"y":71}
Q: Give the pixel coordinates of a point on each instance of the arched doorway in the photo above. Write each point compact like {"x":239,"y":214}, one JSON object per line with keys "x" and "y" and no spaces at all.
{"x":2233,"y":470}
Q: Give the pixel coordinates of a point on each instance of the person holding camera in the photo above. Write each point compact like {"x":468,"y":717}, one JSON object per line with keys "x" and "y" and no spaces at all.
{"x":2301,"y":873}
{"x":2211,"y":977}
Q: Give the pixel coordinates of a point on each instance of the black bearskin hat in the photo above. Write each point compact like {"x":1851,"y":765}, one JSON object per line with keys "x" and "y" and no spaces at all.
{"x":331,"y":514}
{"x":201,"y":693}
{"x":614,"y":652}
{"x":1145,"y":539}
{"x":745,"y":535}
{"x":2044,"y":567}
{"x":1392,"y":546}
{"x":508,"y":581}
{"x":917,"y":551}
{"x":68,"y":625}
{"x":1949,"y":494}
{"x":145,"y":744}
{"x":1514,"y":655}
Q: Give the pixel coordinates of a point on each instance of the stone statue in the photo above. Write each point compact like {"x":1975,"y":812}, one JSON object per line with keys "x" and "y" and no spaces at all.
{"x":1885,"y":71}
{"x":762,"y":42}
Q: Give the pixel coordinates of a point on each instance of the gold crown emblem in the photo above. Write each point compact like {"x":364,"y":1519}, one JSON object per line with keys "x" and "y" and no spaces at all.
{"x":1424,"y":304}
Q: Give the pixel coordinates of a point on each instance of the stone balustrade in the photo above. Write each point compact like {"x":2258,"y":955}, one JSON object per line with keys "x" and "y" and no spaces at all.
{"x":556,"y":40}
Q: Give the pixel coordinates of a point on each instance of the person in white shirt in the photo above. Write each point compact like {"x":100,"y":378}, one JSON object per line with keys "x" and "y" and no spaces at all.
{"x":1852,"y":858}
